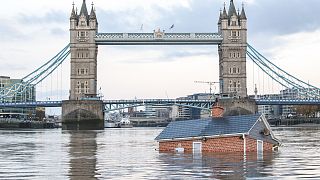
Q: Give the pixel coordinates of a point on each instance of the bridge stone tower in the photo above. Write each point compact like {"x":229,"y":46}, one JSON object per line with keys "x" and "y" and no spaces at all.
{"x":83,"y":110}
{"x":83,"y":29}
{"x":232,"y":52}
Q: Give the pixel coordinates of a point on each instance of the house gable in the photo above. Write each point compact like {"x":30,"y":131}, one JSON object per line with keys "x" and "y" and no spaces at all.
{"x":262,"y":131}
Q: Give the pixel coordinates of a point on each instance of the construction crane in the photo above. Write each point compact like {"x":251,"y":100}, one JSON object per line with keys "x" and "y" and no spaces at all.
{"x":207,"y":82}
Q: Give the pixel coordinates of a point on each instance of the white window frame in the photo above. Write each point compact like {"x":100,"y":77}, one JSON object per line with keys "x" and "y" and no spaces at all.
{"x":259,"y":153}
{"x":193,"y":145}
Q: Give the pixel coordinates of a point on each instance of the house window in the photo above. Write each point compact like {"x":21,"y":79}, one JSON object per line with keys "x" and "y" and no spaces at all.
{"x":260,"y":149}
{"x":82,"y":34}
{"x":197,"y":147}
{"x":234,"y":23}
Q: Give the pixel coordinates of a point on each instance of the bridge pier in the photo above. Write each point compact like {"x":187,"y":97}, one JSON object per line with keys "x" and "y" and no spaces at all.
{"x":82,"y":115}
{"x":238,"y":106}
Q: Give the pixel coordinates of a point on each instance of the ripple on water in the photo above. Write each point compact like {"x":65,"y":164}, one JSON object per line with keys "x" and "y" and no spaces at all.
{"x":130,"y":154}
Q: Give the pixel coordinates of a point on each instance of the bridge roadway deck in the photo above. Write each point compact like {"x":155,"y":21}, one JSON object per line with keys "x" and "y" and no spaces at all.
{"x":158,"y":38}
{"x":199,"y":103}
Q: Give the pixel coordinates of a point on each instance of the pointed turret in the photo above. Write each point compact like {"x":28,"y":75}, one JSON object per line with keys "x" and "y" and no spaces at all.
{"x":93,"y":13}
{"x":73,"y":13}
{"x":93,"y":18}
{"x":84,"y":10}
{"x":220,"y":17}
{"x":243,"y":13}
{"x":224,"y":14}
{"x":232,"y":9}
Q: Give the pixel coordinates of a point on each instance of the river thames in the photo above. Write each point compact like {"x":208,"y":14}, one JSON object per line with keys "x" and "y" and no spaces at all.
{"x":131,"y":154}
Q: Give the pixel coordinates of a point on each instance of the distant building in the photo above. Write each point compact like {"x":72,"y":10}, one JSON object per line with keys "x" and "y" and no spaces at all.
{"x":289,"y":110}
{"x":270,"y":111}
{"x":185,"y":113}
{"x":28,"y":95}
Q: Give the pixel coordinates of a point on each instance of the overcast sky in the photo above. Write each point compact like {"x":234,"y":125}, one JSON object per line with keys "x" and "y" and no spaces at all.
{"x":33,"y":31}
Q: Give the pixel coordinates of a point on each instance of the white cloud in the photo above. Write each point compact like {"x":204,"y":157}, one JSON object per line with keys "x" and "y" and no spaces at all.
{"x":299,"y":55}
{"x":146,"y":4}
{"x":28,"y":45}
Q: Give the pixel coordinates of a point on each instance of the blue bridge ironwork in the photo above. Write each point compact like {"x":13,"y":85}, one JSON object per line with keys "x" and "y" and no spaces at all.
{"x":288,"y":101}
{"x":113,"y":105}
{"x":158,"y":38}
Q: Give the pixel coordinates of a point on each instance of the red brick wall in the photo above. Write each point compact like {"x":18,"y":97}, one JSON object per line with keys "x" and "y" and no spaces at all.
{"x":251,"y":144}
{"x":267,"y":146}
{"x":225,"y":144}
{"x":221,"y":145}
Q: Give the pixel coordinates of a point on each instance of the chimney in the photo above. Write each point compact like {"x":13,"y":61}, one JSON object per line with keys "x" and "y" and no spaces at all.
{"x":217,"y":110}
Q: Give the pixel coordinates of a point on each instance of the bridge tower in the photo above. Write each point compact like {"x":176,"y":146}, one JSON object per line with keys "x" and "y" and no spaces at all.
{"x":83,"y":29}
{"x":83,"y":110}
{"x":232,"y":52}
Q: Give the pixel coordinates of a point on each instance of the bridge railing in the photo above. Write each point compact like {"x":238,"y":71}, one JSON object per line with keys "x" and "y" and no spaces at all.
{"x":115,"y":38}
{"x":155,"y":101}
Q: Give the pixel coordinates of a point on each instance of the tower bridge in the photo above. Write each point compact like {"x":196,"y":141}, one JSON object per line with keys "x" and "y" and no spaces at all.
{"x":231,"y":39}
{"x":84,"y":107}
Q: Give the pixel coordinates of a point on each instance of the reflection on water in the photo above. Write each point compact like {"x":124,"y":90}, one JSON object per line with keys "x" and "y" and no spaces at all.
{"x":131,"y":154}
{"x":82,"y":154}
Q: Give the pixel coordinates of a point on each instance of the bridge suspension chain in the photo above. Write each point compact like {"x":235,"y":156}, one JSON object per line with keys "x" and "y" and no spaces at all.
{"x":282,"y":77}
{"x":37,"y":76}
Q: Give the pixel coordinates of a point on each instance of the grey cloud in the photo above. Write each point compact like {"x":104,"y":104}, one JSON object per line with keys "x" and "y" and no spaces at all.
{"x":283,"y":17}
{"x":51,"y":16}
{"x":9,"y":67}
{"x":9,"y":33}
{"x":58,"y":32}
{"x":172,"y":55}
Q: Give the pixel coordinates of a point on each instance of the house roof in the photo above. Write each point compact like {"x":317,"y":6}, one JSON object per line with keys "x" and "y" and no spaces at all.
{"x":232,"y":125}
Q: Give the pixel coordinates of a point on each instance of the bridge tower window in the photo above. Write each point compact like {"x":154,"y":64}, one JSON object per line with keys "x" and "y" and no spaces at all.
{"x":234,"y":70}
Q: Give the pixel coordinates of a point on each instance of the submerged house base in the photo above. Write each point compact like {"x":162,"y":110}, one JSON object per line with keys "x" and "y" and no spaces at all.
{"x":217,"y":145}
{"x":247,"y":133}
